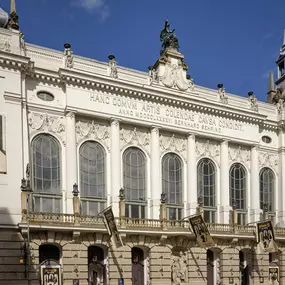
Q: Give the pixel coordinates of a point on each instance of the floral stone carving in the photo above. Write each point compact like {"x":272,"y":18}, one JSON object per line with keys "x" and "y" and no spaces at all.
{"x":92,"y":131}
{"x":179,"y":272}
{"x":239,"y":154}
{"x":173,"y":144}
{"x":208,"y":149}
{"x":39,"y":122}
{"x":266,"y":159}
{"x":135,"y":137}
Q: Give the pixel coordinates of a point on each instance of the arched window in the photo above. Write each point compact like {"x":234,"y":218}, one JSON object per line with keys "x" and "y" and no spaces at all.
{"x":267,"y":187}
{"x":49,"y":251}
{"x":207,"y":188}
{"x":238,"y":191}
{"x":97,"y":272}
{"x":172,"y":185}
{"x":137,"y":266}
{"x":92,"y":178}
{"x":134,"y":169}
{"x":46,"y":174}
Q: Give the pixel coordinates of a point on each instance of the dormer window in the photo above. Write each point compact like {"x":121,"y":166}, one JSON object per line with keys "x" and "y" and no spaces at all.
{"x":45,"y":96}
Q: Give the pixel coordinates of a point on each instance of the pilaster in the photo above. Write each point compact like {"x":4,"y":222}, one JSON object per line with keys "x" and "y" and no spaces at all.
{"x":155,"y":174}
{"x":71,"y":160}
{"x":224,"y":183}
{"x":281,"y":178}
{"x":191,"y":175}
{"x":115,"y":165}
{"x":254,"y":186}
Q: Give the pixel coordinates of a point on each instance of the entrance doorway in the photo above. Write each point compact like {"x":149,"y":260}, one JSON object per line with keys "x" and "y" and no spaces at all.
{"x":137,"y":266}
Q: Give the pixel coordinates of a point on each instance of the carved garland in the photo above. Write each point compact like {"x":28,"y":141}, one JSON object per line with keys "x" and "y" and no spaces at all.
{"x":266,"y":159}
{"x":174,"y":144}
{"x":92,"y":131}
{"x":239,"y":154}
{"x":209,"y":150}
{"x":39,"y":122}
{"x":135,"y":137}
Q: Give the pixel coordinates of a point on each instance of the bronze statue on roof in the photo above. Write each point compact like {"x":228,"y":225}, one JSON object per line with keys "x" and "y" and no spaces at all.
{"x":168,"y":38}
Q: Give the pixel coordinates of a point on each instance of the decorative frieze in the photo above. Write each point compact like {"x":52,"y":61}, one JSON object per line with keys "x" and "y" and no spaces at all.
{"x":208,"y":149}
{"x":135,"y":137}
{"x":39,"y":122}
{"x":5,"y":43}
{"x":92,"y":131}
{"x":266,"y":159}
{"x":239,"y":154}
{"x":174,"y":144}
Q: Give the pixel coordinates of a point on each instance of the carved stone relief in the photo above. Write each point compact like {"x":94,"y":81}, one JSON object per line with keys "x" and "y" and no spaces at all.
{"x":5,"y":43}
{"x":179,"y":271}
{"x":266,"y":159}
{"x":93,"y":131}
{"x":208,"y":149}
{"x":239,"y":154}
{"x":135,"y":137}
{"x":39,"y":122}
{"x":174,"y":144}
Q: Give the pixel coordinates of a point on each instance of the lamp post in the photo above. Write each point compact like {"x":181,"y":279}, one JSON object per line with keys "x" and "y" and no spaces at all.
{"x":200,"y":209}
{"x":234,"y":212}
{"x":26,"y":249}
{"x":265,"y":211}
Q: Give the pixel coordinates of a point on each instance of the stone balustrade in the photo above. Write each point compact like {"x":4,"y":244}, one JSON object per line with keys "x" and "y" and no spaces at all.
{"x":97,"y":222}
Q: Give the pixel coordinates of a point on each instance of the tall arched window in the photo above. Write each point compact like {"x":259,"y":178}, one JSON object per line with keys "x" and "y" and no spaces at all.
{"x":207,"y":188}
{"x":238,"y":189}
{"x":92,"y":178}
{"x":134,"y":169}
{"x":267,"y":187}
{"x":46,"y":174}
{"x":172,"y":185}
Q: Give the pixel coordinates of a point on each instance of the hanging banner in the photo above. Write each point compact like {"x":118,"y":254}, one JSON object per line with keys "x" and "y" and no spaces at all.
{"x":265,"y":237}
{"x":111,"y":226}
{"x":50,"y":275}
{"x":201,"y":231}
{"x":273,"y":274}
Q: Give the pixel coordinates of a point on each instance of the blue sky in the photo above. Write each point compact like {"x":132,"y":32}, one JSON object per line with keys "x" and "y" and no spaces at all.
{"x":224,"y":41}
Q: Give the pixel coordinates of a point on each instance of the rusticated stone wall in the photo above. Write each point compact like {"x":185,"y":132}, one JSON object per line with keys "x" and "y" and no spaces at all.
{"x":161,"y":255}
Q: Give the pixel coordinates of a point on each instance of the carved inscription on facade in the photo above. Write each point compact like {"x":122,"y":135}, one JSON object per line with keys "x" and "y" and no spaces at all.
{"x":168,"y":115}
{"x":92,"y":131}
{"x":39,"y":122}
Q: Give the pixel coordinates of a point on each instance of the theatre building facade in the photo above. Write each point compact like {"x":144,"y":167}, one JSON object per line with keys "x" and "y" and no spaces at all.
{"x":79,"y":135}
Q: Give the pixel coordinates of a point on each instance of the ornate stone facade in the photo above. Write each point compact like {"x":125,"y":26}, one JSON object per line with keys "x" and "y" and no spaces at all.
{"x":173,"y":143}
{"x":239,"y":154}
{"x":206,"y":148}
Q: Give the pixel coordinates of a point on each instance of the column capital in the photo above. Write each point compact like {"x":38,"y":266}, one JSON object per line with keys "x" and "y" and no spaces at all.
{"x":191,"y":135}
{"x":70,"y":114}
{"x":225,"y":141}
{"x":115,"y":121}
{"x":155,"y":128}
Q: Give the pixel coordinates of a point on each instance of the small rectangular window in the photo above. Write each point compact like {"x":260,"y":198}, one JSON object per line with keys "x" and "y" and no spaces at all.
{"x":3,"y":165}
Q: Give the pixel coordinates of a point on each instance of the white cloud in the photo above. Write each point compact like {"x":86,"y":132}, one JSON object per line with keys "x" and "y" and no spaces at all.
{"x":98,"y":6}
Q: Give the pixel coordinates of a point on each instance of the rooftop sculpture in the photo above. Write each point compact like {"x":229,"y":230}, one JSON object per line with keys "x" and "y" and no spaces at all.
{"x":168,"y":38}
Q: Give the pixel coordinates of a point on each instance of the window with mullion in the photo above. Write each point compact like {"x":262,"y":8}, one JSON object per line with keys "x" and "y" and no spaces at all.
{"x":92,"y":178}
{"x":46,"y":173}
{"x":172,"y":185}
{"x":267,"y":188}
{"x":207,"y":188}
{"x":238,"y":190}
{"x":134,"y":180}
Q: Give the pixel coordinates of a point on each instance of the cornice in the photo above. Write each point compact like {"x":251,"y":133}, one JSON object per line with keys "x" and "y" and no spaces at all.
{"x":144,"y":92}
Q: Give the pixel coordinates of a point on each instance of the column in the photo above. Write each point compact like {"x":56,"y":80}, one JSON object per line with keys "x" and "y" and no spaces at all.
{"x":281,"y":179}
{"x":115,"y":165}
{"x":224,"y":184}
{"x":191,"y":175}
{"x":254,"y":186}
{"x":71,"y":161}
{"x":155,"y":174}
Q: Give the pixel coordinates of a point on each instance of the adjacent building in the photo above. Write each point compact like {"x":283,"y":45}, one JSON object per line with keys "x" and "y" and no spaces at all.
{"x":78,"y":135}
